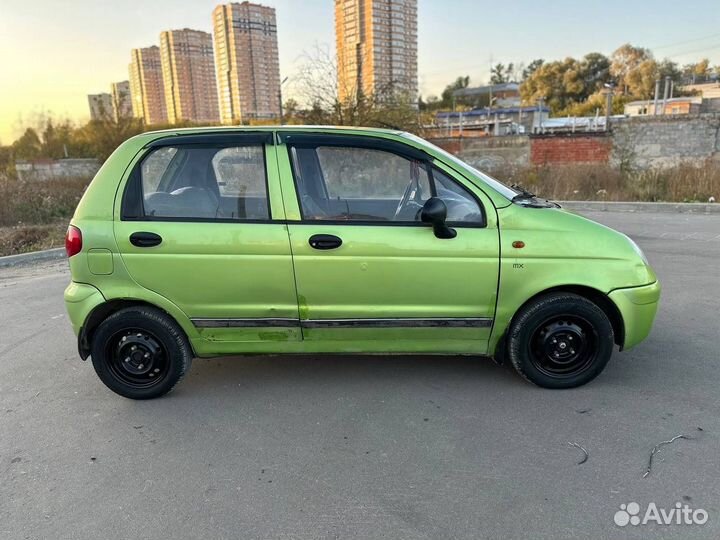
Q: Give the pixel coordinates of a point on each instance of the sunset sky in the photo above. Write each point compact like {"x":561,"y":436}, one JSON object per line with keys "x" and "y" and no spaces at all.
{"x":52,"y":54}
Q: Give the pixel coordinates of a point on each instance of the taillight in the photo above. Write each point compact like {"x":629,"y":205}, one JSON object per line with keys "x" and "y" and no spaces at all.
{"x":73,"y":241}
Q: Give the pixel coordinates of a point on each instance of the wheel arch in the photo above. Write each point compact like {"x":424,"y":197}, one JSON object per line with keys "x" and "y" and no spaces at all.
{"x":104,"y":310}
{"x":596,"y":296}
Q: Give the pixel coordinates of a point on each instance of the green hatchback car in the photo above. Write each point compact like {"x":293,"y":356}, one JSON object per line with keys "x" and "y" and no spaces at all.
{"x":226,"y":241}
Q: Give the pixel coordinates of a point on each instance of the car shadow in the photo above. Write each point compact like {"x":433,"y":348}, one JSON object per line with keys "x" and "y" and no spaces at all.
{"x":327,"y":370}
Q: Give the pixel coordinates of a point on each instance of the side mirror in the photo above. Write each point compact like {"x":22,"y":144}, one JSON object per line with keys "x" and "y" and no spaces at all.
{"x":435,"y":211}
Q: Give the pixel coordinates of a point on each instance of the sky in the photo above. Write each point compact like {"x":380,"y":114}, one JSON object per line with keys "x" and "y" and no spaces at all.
{"x":52,"y":54}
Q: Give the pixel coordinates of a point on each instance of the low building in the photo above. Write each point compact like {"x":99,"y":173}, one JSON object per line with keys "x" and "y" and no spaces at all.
{"x":490,"y":121}
{"x":707,"y":90}
{"x":501,"y":95}
{"x":678,"y":105}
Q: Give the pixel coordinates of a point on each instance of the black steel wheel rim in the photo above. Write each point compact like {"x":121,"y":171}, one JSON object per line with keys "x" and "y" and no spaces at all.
{"x":137,"y":358}
{"x":563,"y":346}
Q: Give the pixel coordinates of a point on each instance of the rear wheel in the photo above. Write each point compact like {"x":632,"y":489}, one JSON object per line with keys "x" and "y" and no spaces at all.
{"x":560,"y":340}
{"x":140,"y":352}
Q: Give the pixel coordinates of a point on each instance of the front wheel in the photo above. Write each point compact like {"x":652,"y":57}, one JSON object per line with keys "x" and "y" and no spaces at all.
{"x":140,"y":352}
{"x":560,"y":340}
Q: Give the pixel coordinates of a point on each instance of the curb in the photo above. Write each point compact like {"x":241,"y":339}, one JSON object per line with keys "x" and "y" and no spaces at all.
{"x":642,"y":207}
{"x":33,"y":257}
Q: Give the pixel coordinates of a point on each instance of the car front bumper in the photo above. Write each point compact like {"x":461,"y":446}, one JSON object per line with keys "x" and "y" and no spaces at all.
{"x":638,"y":306}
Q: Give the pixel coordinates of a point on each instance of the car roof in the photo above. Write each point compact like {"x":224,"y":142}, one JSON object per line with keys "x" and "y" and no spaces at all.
{"x":303,"y":128}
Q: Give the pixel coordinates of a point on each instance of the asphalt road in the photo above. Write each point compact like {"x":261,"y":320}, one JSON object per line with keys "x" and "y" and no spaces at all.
{"x":366,"y":447}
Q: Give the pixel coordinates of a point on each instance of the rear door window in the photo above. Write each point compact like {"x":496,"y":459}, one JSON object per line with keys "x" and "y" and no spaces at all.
{"x":205,"y":182}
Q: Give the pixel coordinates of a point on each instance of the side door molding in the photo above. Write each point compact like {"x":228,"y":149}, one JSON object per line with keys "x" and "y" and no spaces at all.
{"x":410,"y":322}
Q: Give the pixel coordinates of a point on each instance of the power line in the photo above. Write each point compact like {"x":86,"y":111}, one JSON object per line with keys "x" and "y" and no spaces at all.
{"x":684,"y":42}
{"x":704,"y":49}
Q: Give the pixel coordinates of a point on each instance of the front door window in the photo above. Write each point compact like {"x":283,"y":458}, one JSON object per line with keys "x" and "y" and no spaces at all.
{"x":345,"y":183}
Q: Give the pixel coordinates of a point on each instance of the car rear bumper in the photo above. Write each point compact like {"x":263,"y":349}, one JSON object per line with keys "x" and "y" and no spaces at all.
{"x":80,"y":300}
{"x":638,"y":306}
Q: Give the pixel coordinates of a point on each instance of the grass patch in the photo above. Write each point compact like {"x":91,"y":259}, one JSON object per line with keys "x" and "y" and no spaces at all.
{"x":39,"y":202}
{"x":35,"y":215}
{"x":25,"y":238}
{"x":684,"y":183}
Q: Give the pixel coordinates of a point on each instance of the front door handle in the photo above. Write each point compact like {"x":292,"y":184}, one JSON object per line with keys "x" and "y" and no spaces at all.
{"x":324,"y":241}
{"x":145,"y":239}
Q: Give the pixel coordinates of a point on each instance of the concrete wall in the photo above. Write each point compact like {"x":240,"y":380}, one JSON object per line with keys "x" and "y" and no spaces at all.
{"x":647,"y":142}
{"x":666,"y":141}
{"x":49,"y":169}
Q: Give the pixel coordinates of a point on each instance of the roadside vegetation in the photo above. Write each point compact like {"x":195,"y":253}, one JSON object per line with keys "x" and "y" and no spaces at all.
{"x":34,"y":215}
{"x":683,"y":183}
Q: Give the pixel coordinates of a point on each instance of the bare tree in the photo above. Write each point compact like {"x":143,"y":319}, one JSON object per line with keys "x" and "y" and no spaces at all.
{"x":316,"y":84}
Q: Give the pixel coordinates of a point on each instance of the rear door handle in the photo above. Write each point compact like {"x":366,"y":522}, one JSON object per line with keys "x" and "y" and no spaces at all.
{"x":324,"y":241}
{"x":145,"y":239}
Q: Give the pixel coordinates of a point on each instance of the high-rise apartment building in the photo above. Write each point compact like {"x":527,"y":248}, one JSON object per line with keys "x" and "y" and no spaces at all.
{"x":101,"y":106}
{"x":246,"y":59}
{"x":376,"y":48}
{"x":121,"y":100}
{"x":189,"y":76}
{"x":146,"y":85}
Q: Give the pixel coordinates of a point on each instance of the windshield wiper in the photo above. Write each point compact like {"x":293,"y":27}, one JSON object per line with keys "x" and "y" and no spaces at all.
{"x":524,"y":193}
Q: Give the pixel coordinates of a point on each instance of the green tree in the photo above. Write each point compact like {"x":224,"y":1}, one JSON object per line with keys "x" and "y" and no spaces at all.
{"x":595,"y":70}
{"x":500,"y":73}
{"x":531,"y":68}
{"x":290,"y":111}
{"x":432,"y":103}
{"x":640,"y":81}
{"x":57,"y":139}
{"x":7,"y":161}
{"x":626,"y":60}
{"x":559,"y":84}
{"x":596,"y":104}
{"x":698,"y":71}
{"x":446,"y":98}
{"x":28,"y":146}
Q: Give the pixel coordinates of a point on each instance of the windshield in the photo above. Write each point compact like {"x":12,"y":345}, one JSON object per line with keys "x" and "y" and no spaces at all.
{"x":505,"y":191}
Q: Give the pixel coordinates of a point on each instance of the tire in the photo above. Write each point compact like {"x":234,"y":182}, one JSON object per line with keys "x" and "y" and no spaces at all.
{"x":542,"y":342}
{"x":140,"y":352}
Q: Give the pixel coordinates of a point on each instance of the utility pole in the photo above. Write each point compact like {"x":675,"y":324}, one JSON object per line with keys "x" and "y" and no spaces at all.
{"x":608,"y":109}
{"x":491,"y":86}
{"x":540,"y":114}
{"x":657,"y":96}
{"x":610,"y":90}
{"x":280,"y":98}
{"x":666,"y":93}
